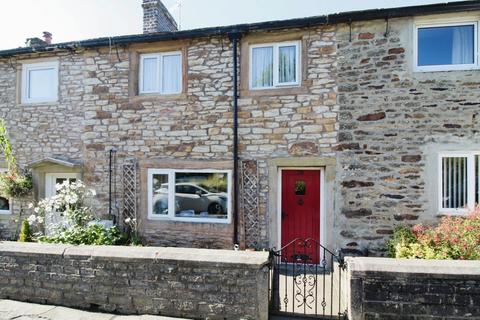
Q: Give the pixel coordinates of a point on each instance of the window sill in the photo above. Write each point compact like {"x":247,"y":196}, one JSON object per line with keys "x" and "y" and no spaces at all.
{"x":158,"y":97}
{"x":445,"y":69}
{"x":40,"y":104}
{"x":279,"y":91}
{"x":189,"y":220}
{"x":453,"y":213}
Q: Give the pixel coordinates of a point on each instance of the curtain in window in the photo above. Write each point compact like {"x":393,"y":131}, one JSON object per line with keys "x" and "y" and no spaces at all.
{"x":287,"y":64}
{"x":454,"y":186}
{"x":172,"y":74}
{"x":462,"y":46}
{"x":262,"y":67}
{"x":150,"y":71}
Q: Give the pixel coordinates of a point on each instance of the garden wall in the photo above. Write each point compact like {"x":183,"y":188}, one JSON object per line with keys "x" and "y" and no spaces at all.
{"x":380,"y":288}
{"x":191,"y":283}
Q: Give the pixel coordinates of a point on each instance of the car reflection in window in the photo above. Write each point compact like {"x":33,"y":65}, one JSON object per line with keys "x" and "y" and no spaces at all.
{"x":195,"y":201}
{"x":191,"y":200}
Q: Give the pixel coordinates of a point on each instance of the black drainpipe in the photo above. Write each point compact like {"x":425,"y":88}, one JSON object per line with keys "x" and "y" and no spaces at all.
{"x":111,"y":155}
{"x":234,"y":37}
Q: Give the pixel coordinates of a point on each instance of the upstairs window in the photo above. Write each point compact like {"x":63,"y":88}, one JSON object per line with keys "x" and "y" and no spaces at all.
{"x":40,"y":82}
{"x":459,"y":176}
{"x":161,"y":73}
{"x":274,"y":65}
{"x":443,"y":47}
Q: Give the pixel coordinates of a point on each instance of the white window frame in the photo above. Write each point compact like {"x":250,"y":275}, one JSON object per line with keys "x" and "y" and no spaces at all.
{"x":26,"y":68}
{"x":159,"y":57}
{"x":171,"y":196}
{"x":276,"y":48}
{"x":50,"y":184}
{"x":9,"y":211}
{"x":446,"y":23}
{"x":470,"y":155}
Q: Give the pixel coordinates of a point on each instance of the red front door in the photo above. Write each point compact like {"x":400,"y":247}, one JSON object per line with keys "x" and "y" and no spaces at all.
{"x":301,"y":214}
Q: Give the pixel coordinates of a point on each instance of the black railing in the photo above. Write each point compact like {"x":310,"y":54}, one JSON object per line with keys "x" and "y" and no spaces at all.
{"x":306,"y":278}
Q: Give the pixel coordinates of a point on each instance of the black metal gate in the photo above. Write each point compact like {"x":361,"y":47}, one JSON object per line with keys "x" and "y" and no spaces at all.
{"x":306,"y":280}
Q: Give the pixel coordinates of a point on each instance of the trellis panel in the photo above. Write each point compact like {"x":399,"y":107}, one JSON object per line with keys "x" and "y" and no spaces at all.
{"x":249,"y":202}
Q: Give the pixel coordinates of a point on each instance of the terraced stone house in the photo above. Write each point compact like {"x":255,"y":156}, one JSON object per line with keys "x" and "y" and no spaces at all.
{"x":332,"y":127}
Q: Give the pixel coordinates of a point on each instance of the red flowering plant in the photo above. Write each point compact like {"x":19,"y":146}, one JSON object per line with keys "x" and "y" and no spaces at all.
{"x":455,"y":237}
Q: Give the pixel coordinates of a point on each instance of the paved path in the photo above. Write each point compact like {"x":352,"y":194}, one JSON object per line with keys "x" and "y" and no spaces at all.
{"x":14,"y":310}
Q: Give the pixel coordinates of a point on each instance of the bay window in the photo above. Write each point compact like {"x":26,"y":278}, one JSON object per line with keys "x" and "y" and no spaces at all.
{"x":161,"y":73}
{"x":459,"y":177}
{"x":189,"y":195}
{"x":274,"y":65}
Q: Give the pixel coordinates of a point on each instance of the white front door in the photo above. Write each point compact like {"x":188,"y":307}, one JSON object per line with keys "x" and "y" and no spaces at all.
{"x":51,"y":180}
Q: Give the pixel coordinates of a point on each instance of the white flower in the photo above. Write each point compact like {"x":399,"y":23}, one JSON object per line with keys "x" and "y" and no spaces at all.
{"x":73,"y":199}
{"x":36,"y":210}
{"x":32,"y":219}
{"x":93,"y":192}
{"x":30,"y":205}
{"x":40,"y":219}
{"x":128,"y":220}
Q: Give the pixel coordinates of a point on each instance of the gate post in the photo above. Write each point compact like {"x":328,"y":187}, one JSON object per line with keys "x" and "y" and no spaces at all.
{"x":274,"y":291}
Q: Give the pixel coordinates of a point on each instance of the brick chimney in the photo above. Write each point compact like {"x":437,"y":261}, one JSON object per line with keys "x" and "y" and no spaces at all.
{"x":47,"y":37}
{"x":156,"y":17}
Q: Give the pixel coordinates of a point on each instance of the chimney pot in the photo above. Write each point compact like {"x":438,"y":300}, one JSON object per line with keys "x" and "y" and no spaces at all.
{"x":157,"y":18}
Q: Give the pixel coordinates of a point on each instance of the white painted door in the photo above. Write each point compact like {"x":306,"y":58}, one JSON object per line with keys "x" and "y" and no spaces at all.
{"x":56,"y":220}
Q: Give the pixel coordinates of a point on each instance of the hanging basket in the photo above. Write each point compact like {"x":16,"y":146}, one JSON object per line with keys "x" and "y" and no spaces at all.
{"x":15,"y":185}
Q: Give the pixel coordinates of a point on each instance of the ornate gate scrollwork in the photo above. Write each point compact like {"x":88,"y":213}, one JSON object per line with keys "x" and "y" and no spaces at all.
{"x":306,"y":278}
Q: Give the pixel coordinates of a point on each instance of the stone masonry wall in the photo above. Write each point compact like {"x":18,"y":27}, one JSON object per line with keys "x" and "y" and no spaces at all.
{"x":359,"y":103}
{"x":413,"y":289}
{"x":284,"y":124}
{"x":96,"y":112}
{"x":190,"y":283}
{"x":393,"y":123}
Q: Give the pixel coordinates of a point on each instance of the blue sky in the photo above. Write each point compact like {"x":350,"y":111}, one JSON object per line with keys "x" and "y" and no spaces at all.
{"x":77,"y":20}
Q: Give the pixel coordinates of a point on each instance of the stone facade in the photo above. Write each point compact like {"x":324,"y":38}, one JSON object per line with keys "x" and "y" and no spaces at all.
{"x":412,"y":289}
{"x":393,"y":124}
{"x":360,"y":113}
{"x":97,"y":111}
{"x":187,"y":283}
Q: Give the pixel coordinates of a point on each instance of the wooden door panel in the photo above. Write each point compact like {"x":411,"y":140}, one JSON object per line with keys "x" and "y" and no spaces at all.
{"x":300,"y":211}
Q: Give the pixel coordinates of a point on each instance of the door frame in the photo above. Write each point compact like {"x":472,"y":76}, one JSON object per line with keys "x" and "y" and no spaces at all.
{"x":322,"y":203}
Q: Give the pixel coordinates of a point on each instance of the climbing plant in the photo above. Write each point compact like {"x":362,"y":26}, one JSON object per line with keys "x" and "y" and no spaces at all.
{"x":13,"y":183}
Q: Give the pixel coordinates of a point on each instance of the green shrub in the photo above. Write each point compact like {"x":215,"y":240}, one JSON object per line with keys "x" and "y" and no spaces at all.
{"x":25,"y":232}
{"x":93,"y":234}
{"x":453,"y":238}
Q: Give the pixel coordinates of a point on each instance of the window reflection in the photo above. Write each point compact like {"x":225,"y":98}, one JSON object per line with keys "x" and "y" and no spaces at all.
{"x":160,"y":194}
{"x":201,"y":194}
